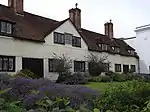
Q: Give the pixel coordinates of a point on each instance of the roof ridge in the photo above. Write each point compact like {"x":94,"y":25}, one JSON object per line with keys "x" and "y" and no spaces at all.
{"x":32,"y":14}
{"x":93,"y":32}
{"x":4,"y":6}
{"x":41,"y":16}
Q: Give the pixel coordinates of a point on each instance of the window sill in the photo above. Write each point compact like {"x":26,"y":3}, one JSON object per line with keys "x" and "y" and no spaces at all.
{"x":59,"y":43}
{"x":79,"y":71}
{"x":5,"y":34}
{"x":76,"y":46}
{"x":7,"y":71}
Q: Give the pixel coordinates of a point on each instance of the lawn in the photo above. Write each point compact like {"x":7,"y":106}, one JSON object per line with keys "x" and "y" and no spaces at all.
{"x":101,"y":86}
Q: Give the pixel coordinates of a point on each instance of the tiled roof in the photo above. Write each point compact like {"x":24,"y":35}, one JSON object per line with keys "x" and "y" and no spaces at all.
{"x":29,"y":26}
{"x":93,"y":39}
{"x":36,"y":28}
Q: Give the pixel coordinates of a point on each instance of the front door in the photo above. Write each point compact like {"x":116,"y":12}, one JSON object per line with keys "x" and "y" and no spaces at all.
{"x":126,"y":68}
{"x":34,"y":65}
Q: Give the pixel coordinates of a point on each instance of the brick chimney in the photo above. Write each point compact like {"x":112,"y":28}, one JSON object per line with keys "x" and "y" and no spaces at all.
{"x":75,"y":16}
{"x":109,"y":29}
{"x":16,"y":5}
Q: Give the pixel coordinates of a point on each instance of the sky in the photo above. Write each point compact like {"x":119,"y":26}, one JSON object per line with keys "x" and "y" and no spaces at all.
{"x":126,"y":15}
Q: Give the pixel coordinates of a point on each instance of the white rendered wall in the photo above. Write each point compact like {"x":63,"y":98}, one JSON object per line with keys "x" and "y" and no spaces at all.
{"x":142,"y":46}
{"x":21,"y":48}
{"x":117,"y":59}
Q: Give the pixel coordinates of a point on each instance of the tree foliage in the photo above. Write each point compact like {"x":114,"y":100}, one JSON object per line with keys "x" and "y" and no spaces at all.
{"x":98,"y":64}
{"x":64,"y":63}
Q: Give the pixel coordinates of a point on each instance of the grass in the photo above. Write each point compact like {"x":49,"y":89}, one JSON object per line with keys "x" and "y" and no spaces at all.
{"x":101,"y":86}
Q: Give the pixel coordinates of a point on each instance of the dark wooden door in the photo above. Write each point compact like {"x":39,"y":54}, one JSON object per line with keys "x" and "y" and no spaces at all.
{"x":34,"y":65}
{"x":126,"y":68}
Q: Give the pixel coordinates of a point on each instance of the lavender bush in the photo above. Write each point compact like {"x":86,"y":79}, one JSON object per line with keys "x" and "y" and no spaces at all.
{"x":28,"y":91}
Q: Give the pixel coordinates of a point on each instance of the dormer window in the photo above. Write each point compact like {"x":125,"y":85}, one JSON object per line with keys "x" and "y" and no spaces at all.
{"x":103,"y":46}
{"x":131,"y":52}
{"x":116,"y":49}
{"x":6,"y":27}
{"x":113,"y":48}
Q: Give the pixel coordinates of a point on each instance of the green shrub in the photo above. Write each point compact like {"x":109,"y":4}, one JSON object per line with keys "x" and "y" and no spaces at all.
{"x":59,"y":105}
{"x":5,"y":78}
{"x":119,"y":77}
{"x":105,"y":79}
{"x":129,"y":96}
{"x":62,"y":77}
{"x":122,"y":77}
{"x":132,"y":76}
{"x":110,"y":73}
{"x":147,"y":107}
{"x":76,"y":78}
{"x":6,"y":106}
{"x":27,"y":74}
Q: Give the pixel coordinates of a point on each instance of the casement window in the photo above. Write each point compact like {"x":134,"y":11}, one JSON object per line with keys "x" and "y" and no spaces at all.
{"x":7,"y":64}
{"x":117,"y":67}
{"x":76,"y":41}
{"x":68,"y":38}
{"x":79,"y":66}
{"x":53,"y":64}
{"x":116,"y":49}
{"x":125,"y":68}
{"x":103,"y":47}
{"x":95,"y":66}
{"x":59,"y":38}
{"x":6,"y":27}
{"x":133,"y":68}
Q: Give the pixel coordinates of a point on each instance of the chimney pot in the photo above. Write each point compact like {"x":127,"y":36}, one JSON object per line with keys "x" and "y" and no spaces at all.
{"x":110,"y":20}
{"x":16,"y":6}
{"x":109,"y":29}
{"x":75,"y":16}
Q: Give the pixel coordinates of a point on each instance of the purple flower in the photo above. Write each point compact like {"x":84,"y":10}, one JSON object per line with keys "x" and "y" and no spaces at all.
{"x":25,"y":90}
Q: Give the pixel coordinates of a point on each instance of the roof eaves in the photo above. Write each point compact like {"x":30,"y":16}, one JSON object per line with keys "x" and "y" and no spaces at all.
{"x":33,"y":40}
{"x":113,"y":53}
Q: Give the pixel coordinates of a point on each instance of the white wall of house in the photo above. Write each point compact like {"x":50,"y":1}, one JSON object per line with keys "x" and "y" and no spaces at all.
{"x":76,"y":53}
{"x":22,"y":48}
{"x":142,"y":43}
{"x":118,"y":59}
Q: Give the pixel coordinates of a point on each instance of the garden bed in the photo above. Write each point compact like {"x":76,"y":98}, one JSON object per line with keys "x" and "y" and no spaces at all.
{"x":28,"y":91}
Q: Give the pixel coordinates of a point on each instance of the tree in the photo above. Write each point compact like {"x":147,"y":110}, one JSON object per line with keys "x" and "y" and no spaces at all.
{"x":62,"y":66}
{"x":98,"y":64}
{"x":63,"y":63}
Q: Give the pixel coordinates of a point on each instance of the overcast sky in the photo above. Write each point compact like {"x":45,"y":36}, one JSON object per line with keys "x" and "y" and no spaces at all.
{"x":125,"y":14}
